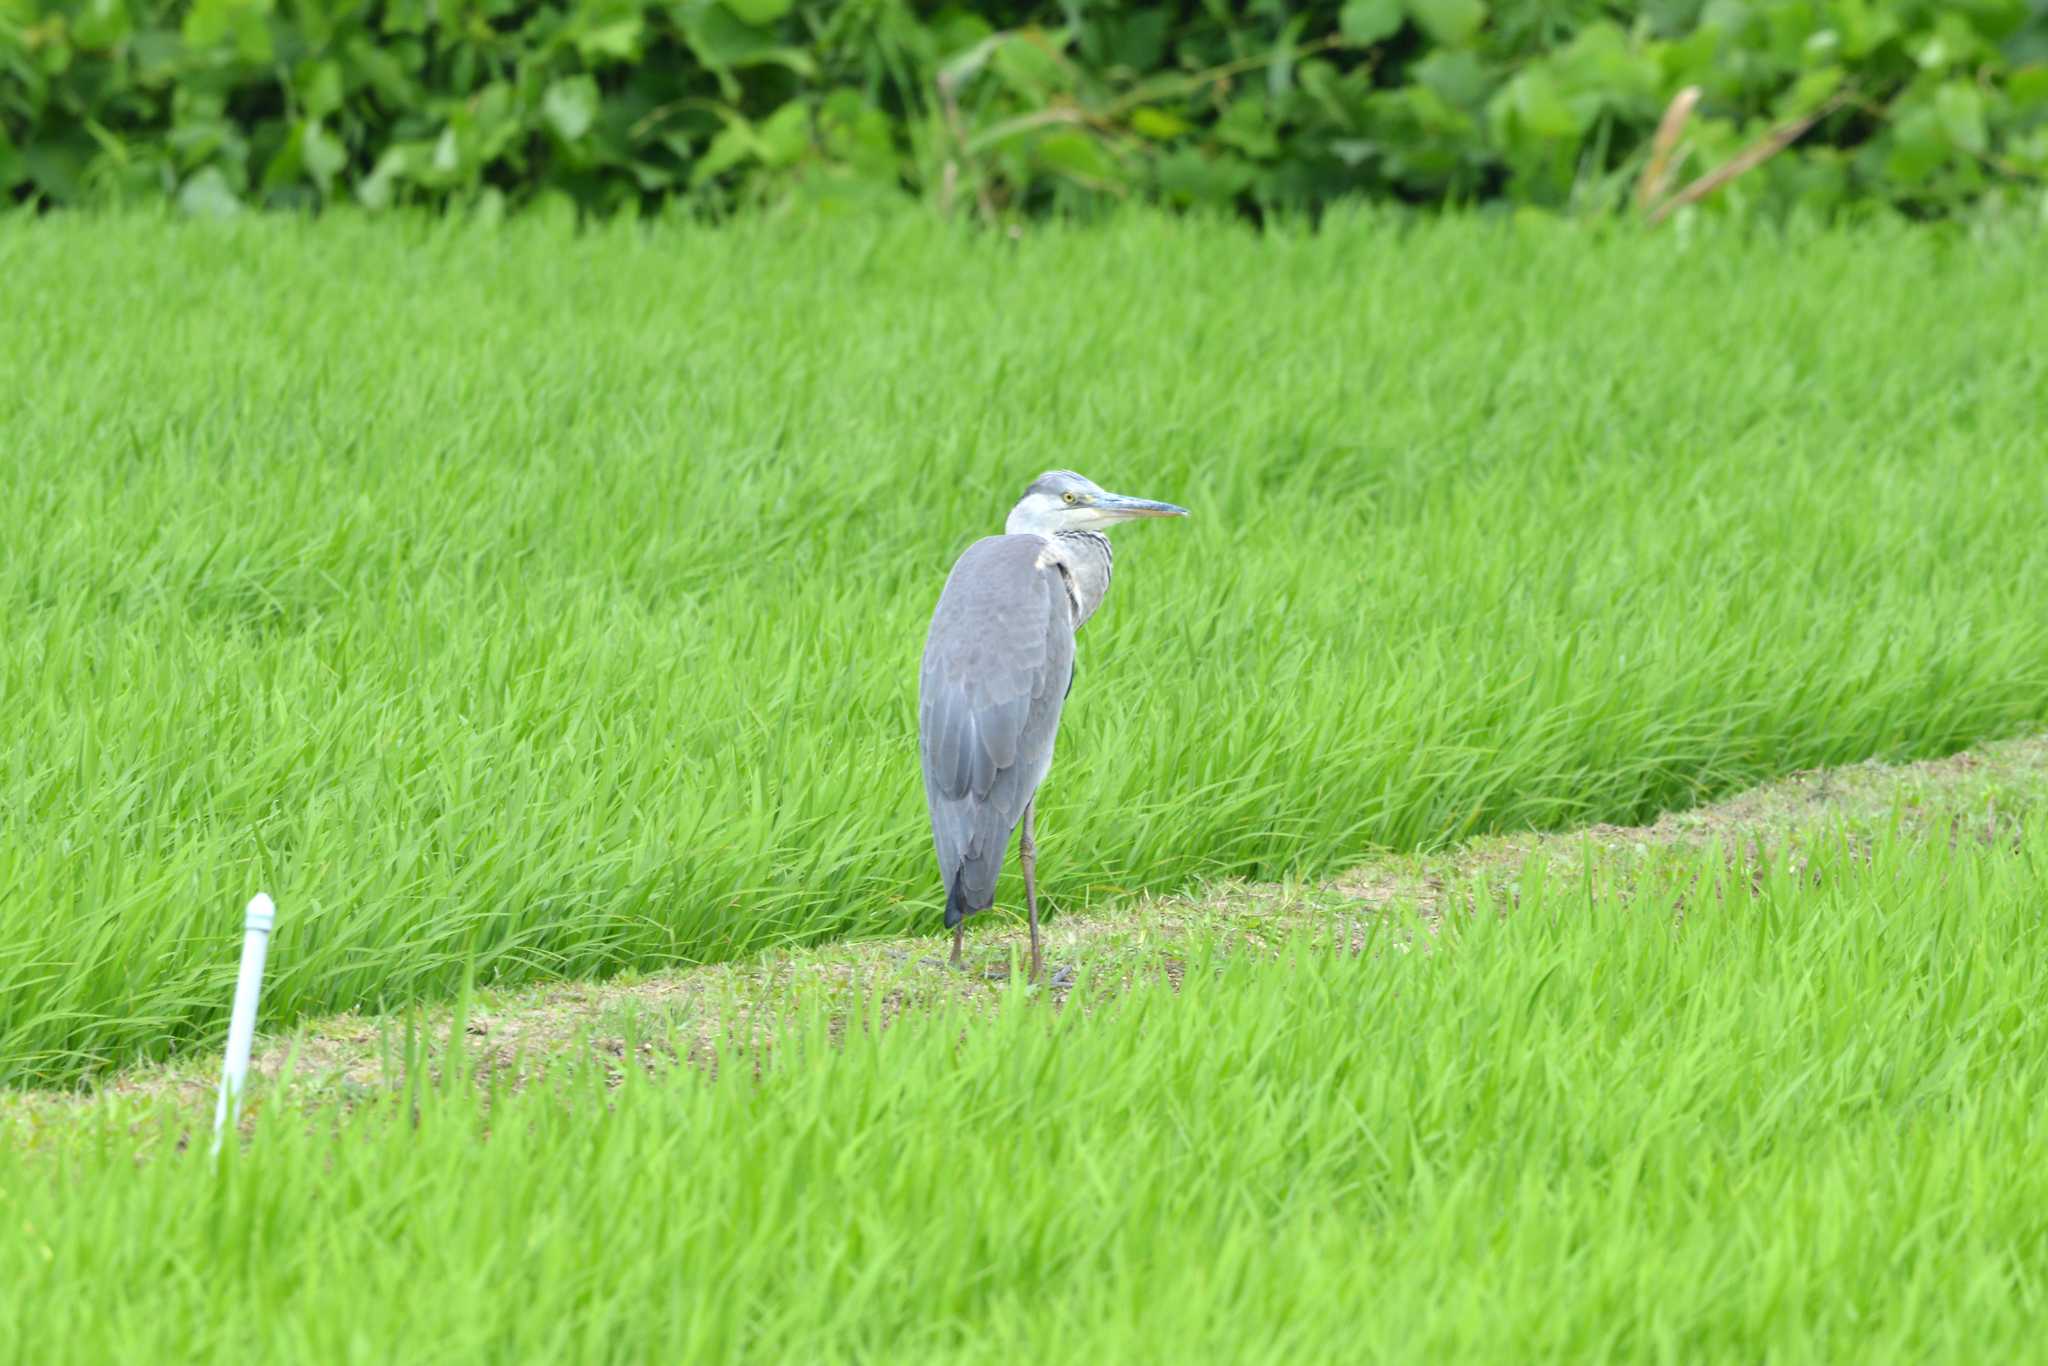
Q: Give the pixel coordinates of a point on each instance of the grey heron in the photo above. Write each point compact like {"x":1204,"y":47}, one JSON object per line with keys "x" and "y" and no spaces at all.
{"x":998,"y":664}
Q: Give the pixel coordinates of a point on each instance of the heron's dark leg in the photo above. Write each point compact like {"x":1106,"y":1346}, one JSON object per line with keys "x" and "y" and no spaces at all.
{"x":959,"y":933}
{"x":1027,"y":854}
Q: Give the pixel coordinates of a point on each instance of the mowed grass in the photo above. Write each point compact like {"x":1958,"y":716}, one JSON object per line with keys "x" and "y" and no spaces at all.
{"x":553,"y":602}
{"x":1676,"y":1107}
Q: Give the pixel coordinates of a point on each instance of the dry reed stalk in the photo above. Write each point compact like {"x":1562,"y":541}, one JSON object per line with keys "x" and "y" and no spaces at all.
{"x":1657,"y":175}
{"x":1756,"y":154}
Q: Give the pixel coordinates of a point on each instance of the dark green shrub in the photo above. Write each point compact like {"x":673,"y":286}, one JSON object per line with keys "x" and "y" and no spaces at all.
{"x":1000,"y":109}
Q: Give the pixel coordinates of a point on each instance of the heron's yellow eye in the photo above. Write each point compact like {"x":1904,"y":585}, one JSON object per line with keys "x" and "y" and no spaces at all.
{"x":1070,"y":497}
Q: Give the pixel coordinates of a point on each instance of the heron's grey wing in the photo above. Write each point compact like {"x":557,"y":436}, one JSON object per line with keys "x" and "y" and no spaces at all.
{"x":997,"y":664}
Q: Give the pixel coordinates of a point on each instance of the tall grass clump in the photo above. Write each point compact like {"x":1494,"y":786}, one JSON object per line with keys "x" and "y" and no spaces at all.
{"x":555,"y":600}
{"x":1754,"y":1108}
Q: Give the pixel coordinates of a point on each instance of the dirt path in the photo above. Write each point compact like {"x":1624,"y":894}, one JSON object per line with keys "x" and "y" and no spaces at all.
{"x":686,"y":1013}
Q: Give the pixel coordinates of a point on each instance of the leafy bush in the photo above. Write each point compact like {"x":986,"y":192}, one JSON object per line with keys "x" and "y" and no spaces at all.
{"x":1006,"y":108}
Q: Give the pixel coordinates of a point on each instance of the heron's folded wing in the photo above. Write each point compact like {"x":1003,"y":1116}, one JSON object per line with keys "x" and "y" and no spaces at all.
{"x":996,"y":666}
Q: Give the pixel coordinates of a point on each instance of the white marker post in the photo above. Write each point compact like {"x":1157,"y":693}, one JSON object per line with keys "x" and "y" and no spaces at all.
{"x":262,"y":914}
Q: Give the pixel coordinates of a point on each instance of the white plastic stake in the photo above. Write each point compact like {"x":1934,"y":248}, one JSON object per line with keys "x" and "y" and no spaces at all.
{"x":262,"y":914}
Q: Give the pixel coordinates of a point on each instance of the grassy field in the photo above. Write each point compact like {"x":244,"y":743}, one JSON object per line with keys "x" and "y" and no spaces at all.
{"x":554,"y":603}
{"x":1669,"y":1107}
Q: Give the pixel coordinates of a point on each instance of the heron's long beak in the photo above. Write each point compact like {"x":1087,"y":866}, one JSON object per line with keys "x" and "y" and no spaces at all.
{"x":1119,"y":508}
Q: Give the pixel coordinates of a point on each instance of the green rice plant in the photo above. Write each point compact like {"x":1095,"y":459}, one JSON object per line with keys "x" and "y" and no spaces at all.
{"x":1778,"y":1106}
{"x":553,"y":601}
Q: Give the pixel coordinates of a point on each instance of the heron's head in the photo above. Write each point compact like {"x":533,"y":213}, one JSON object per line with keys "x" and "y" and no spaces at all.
{"x":1062,"y":500}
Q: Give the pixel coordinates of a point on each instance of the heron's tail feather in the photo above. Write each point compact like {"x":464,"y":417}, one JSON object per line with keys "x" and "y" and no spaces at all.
{"x":966,"y":892}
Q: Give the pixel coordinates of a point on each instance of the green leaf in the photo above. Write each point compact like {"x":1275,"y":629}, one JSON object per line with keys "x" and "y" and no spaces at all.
{"x":1951,"y":43}
{"x":309,"y":152}
{"x":1191,"y":178}
{"x":1029,"y":64}
{"x":1134,"y":38}
{"x":964,"y":65}
{"x":1077,"y":156}
{"x":1280,"y":63}
{"x":406,"y":16}
{"x":1452,"y":22}
{"x":210,"y":23}
{"x":384,"y":67}
{"x":55,"y":165}
{"x":735,"y":143}
{"x":1918,"y":149}
{"x":206,"y":194}
{"x":318,"y":87}
{"x":1603,"y":68}
{"x":1458,"y":78}
{"x":722,"y":43}
{"x":1540,"y":107}
{"x":1157,"y":124}
{"x":207,"y":22}
{"x":785,"y":135}
{"x":1368,"y":21}
{"x":758,"y":11}
{"x":322,"y":152}
{"x":1864,"y":26}
{"x":101,"y":24}
{"x":400,"y":161}
{"x":252,"y":34}
{"x":1245,"y":125}
{"x":1960,"y":107}
{"x":857,"y":135}
{"x":618,"y":41}
{"x":2028,"y":86}
{"x":570,"y":106}
{"x":288,"y":166}
{"x":2028,"y":152}
{"x":1811,"y":89}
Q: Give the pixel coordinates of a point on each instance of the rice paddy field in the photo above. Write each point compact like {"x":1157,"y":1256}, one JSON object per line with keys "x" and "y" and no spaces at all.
{"x":1676,"y":1108}
{"x":517,"y":604}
